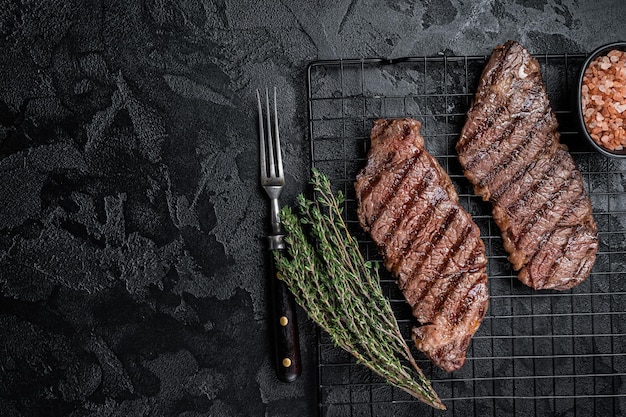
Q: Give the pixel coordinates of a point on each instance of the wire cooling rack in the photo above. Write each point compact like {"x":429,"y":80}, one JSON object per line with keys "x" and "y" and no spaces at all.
{"x":537,"y":352}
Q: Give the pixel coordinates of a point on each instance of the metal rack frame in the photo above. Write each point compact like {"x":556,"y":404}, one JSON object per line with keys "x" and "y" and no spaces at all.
{"x":536,"y":353}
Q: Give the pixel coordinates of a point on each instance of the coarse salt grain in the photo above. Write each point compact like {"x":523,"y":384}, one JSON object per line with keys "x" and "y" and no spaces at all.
{"x":604,"y":99}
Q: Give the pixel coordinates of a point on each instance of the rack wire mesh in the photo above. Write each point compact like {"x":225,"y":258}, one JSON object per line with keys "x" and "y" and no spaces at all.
{"x":536,"y":352}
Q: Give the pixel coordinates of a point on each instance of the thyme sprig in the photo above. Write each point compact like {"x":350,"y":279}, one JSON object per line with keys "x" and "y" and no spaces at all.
{"x":341,"y":292}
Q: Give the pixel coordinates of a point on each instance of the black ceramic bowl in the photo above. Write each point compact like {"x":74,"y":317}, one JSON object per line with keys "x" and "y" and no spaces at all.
{"x":603,"y":50}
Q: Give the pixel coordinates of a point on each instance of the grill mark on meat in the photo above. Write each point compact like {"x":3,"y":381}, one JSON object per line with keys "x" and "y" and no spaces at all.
{"x":519,"y":175}
{"x":375,"y":179}
{"x":455,"y":278}
{"x":575,"y":205}
{"x":492,"y":73}
{"x":407,"y":207}
{"x":578,"y":231}
{"x":571,"y":239}
{"x":496,"y":195}
{"x":455,"y":248}
{"x":552,"y":167}
{"x":422,"y":222}
{"x":586,"y":263}
{"x":549,"y":204}
{"x":450,"y":284}
{"x":491,"y":175}
{"x":494,"y":145}
{"x":543,"y":239}
{"x":479,"y":130}
{"x":466,"y":302}
{"x":451,"y":214}
{"x":398,"y":177}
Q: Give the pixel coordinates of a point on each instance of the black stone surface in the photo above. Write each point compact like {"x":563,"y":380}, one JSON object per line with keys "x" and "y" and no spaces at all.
{"x":131,"y":220}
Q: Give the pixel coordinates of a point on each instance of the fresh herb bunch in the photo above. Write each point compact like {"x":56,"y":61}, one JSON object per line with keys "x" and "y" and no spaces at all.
{"x":341,"y":292}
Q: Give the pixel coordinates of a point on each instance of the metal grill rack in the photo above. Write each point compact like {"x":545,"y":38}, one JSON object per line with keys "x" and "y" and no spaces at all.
{"x":536,"y":352}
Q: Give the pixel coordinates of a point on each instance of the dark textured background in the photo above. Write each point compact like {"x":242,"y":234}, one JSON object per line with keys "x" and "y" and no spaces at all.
{"x":131,"y":221}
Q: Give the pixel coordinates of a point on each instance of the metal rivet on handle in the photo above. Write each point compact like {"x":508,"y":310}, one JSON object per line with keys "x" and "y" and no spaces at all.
{"x":286,"y":362}
{"x":283,"y":321}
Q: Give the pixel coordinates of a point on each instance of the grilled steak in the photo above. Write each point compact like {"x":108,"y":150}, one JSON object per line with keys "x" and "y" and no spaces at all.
{"x":430,"y":244}
{"x":509,"y":149}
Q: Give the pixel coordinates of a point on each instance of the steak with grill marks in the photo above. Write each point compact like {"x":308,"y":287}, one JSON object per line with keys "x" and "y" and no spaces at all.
{"x":509,"y":149}
{"x":430,"y":244}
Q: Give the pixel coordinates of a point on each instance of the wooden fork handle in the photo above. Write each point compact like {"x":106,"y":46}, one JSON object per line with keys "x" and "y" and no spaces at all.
{"x":284,"y":323}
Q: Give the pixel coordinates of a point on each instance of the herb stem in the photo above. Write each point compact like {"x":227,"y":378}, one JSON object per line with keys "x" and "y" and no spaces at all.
{"x":329,"y":277}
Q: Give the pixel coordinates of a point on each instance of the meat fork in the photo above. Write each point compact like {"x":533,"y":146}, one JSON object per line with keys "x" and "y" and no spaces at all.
{"x":282,"y":306}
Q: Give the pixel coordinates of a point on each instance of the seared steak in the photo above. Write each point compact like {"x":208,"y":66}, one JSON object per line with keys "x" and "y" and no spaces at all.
{"x":430,"y":244}
{"x":509,"y":149}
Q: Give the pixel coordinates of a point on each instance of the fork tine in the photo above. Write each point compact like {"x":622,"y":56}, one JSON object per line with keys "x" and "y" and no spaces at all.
{"x":261,"y":137}
{"x":279,"y":158}
{"x":270,"y":139}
